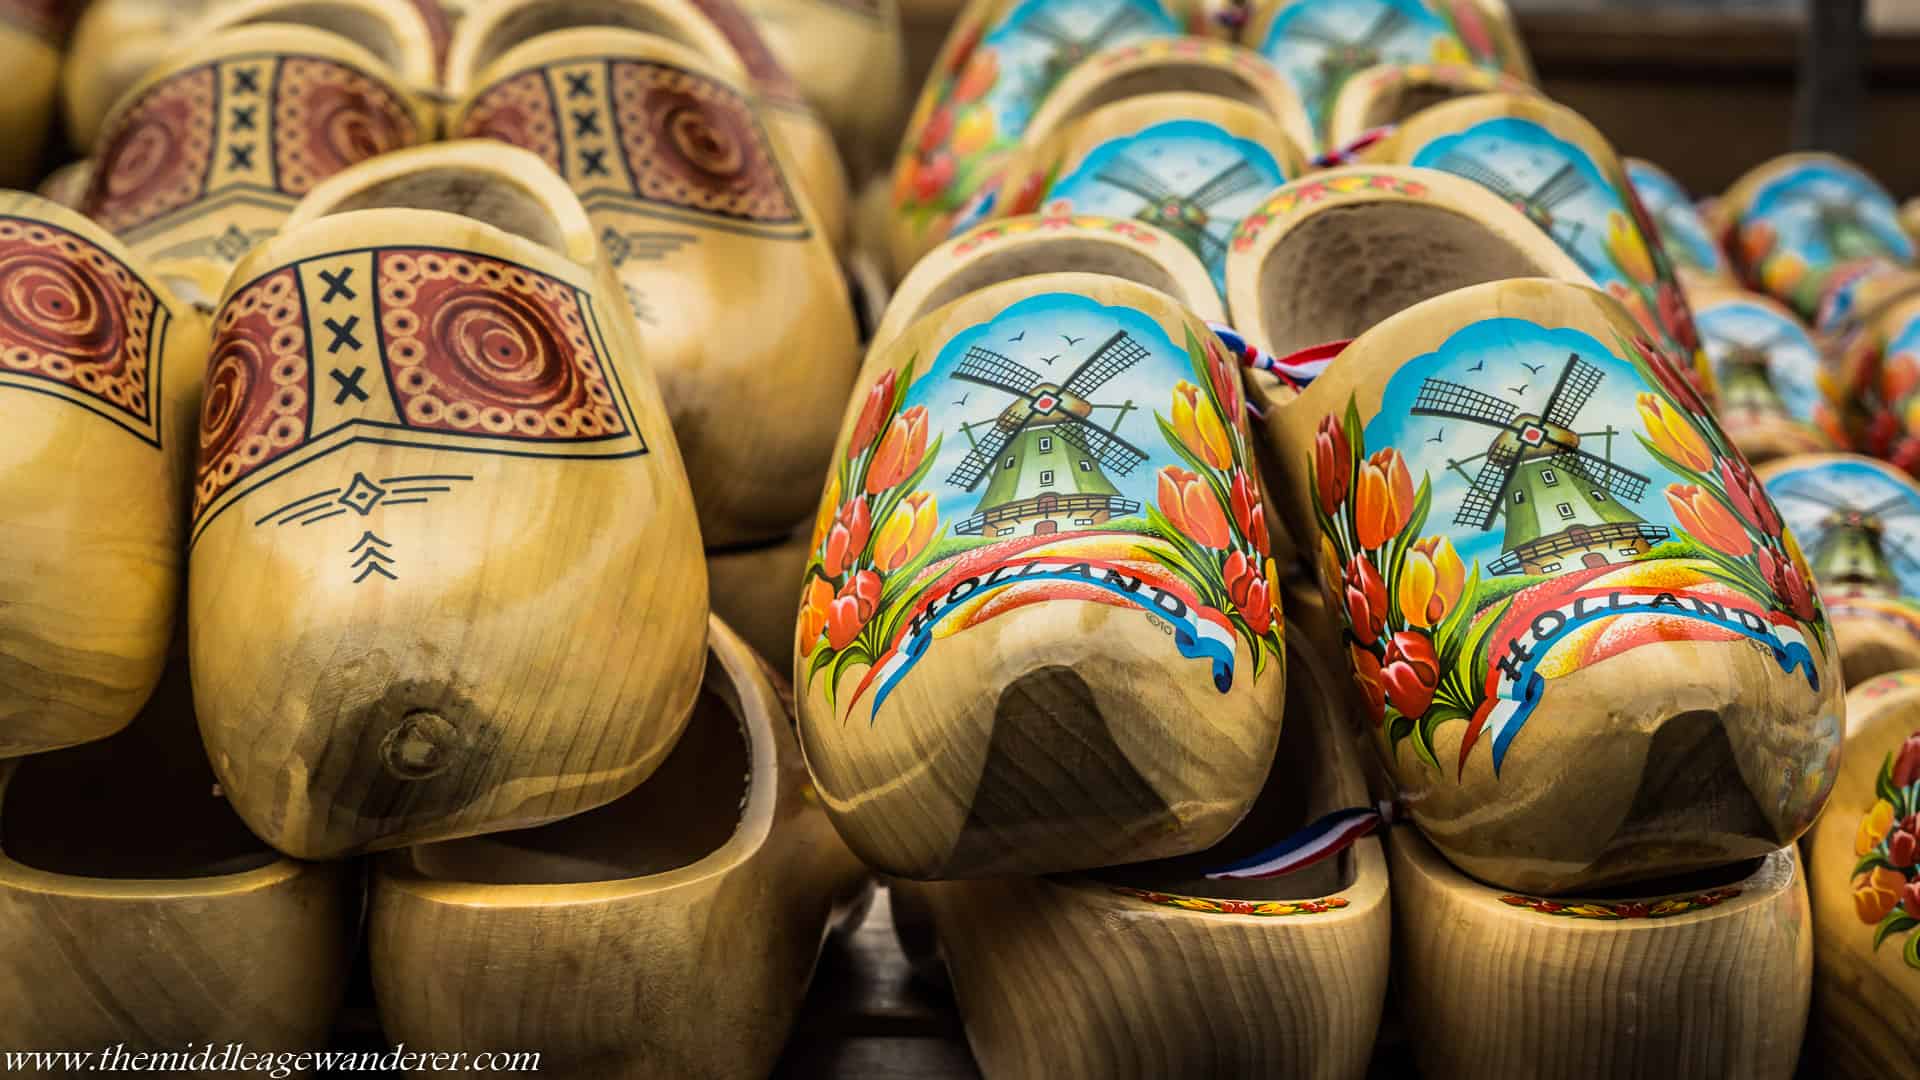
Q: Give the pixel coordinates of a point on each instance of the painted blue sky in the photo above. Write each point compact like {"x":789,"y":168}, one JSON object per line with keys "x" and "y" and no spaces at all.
{"x":1179,"y":157}
{"x":1790,"y":200}
{"x":1303,"y":34}
{"x":1793,"y":361}
{"x":1526,"y":156}
{"x":1681,"y":229}
{"x":1034,"y":333}
{"x":1502,"y":350}
{"x":1023,"y":52}
{"x":1907,"y":340}
{"x":1859,"y":485}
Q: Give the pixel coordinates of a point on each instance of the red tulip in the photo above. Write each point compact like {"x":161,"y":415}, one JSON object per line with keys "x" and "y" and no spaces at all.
{"x":1332,"y":464}
{"x":1676,"y":381}
{"x":879,"y":401}
{"x":1411,"y":673}
{"x":1366,"y":675}
{"x":1910,"y":898}
{"x":848,"y":536}
{"x":1906,"y":764}
{"x":980,"y":74}
{"x":930,"y":180}
{"x":1249,"y":591}
{"x":859,"y":598}
{"x":1789,"y":577}
{"x":939,"y":127}
{"x":1748,"y":496}
{"x":1248,"y":511}
{"x":1224,"y":373}
{"x":1189,"y":505}
{"x":1707,"y":520}
{"x":1382,"y":498}
{"x":1901,"y":849}
{"x":1366,"y":600}
{"x":901,"y":450}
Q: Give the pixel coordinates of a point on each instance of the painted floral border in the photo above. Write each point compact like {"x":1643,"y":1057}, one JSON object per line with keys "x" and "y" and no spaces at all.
{"x":1664,"y":908}
{"x":1210,"y":906}
{"x":1886,"y":875}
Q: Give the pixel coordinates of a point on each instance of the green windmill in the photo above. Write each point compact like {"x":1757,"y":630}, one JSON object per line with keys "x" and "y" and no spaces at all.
{"x":1342,"y":57}
{"x":1187,"y":215}
{"x":1047,"y":457}
{"x":1746,"y":381}
{"x":1852,"y":551}
{"x":1068,"y":48}
{"x":1848,"y":236}
{"x":1563,"y":505}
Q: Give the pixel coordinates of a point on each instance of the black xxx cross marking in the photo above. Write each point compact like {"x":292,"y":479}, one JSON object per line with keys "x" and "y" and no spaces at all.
{"x":586,"y":123}
{"x":240,"y":156}
{"x":342,"y":334}
{"x":243,"y":117}
{"x":246,"y":81}
{"x":581,"y":85}
{"x":593,"y":163}
{"x":349,"y":385}
{"x":337,"y":285}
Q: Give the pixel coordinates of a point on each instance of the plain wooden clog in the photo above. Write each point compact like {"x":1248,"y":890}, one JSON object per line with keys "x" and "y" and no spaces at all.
{"x":1516,"y":488}
{"x":1775,"y":394}
{"x":1385,"y":94}
{"x":446,"y":578}
{"x":1000,"y":60}
{"x":208,"y":153}
{"x":751,"y":590}
{"x":1866,"y":889}
{"x":1694,"y":979}
{"x":747,"y":320}
{"x":31,"y":36}
{"x":1859,"y":521}
{"x":1045,"y":558}
{"x":1159,"y":970}
{"x":99,"y":372}
{"x":715,"y":29}
{"x":1689,"y":242}
{"x":136,"y":910}
{"x":672,"y":933}
{"x":850,"y":61}
{"x":114,"y":44}
{"x":1557,"y":169}
{"x":1321,"y":46}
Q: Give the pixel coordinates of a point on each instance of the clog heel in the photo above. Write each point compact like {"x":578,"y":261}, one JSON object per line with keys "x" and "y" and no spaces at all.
{"x":397,"y":637}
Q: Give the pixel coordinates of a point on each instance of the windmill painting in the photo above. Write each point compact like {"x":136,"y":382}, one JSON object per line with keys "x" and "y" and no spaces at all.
{"x":1828,"y":213}
{"x":1320,"y":44}
{"x":1041,"y":40}
{"x":1194,"y":179}
{"x":1859,"y":522}
{"x":1763,"y":361}
{"x":1681,"y":228}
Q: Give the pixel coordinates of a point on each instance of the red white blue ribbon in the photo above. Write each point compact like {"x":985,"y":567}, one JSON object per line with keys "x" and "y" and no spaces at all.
{"x":1323,"y":839}
{"x":1346,"y":155}
{"x":1297,"y":370}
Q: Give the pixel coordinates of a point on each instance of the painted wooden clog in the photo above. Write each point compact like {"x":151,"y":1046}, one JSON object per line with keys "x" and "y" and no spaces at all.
{"x":150,"y":918}
{"x":1029,"y":590}
{"x":1386,"y":94}
{"x":1803,"y":225}
{"x":1000,"y":61}
{"x":207,"y":154}
{"x":1774,"y":398}
{"x":397,"y":401}
{"x":1866,"y":889}
{"x":1872,"y":362}
{"x":1689,"y":242}
{"x":850,"y":61}
{"x":1704,"y":977}
{"x":1910,"y":218}
{"x":752,"y":592}
{"x":1557,"y":169}
{"x":1130,"y":962}
{"x":715,"y":29}
{"x":675,"y":929}
{"x":1521,"y":500}
{"x":1320,"y":45}
{"x":1192,"y":164}
{"x":31,"y":35}
{"x":747,"y":321}
{"x":407,"y":40}
{"x":1859,"y":521}
{"x":99,"y":372}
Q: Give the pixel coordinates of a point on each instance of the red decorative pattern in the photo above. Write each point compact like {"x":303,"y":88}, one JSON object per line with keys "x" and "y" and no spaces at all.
{"x":258,"y":402}
{"x":770,"y":77}
{"x":1627,"y":909}
{"x":478,"y":345}
{"x":70,"y":313}
{"x":155,"y":158}
{"x":519,"y":111}
{"x":328,"y":116}
{"x":692,"y":142}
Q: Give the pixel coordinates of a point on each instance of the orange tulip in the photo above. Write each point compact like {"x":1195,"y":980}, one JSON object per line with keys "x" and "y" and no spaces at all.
{"x":1874,"y":827}
{"x":850,"y":610}
{"x":814,"y":601}
{"x":1189,"y":504}
{"x":879,"y":400}
{"x":1673,"y":434}
{"x":1707,"y":519}
{"x":823,"y":519}
{"x":1875,"y":893}
{"x":1199,"y":426}
{"x":1382,"y":498}
{"x":979,"y":76}
{"x":900,"y":451}
{"x":1431,"y":581}
{"x":906,"y":532}
{"x":847,"y":537}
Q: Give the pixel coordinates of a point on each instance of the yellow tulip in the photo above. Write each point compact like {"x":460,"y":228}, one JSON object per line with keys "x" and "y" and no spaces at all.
{"x":974,"y":131}
{"x":1673,"y":434}
{"x":1449,"y":52}
{"x":1628,"y":248}
{"x":906,"y":532}
{"x":1783,"y":272}
{"x":1199,"y":427}
{"x":823,"y":520}
{"x":1874,"y":827}
{"x":1431,"y":581}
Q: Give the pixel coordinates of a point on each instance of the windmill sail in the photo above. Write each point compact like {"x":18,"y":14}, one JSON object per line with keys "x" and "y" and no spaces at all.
{"x":1578,"y":380}
{"x":1112,"y":452}
{"x":1115,"y":355}
{"x":1227,"y":183}
{"x":1482,"y":503}
{"x":1122,"y":172}
{"x":1624,"y":485}
{"x":989,"y":368}
{"x":979,"y":461}
{"x":1564,"y":184}
{"x":1438,"y":397}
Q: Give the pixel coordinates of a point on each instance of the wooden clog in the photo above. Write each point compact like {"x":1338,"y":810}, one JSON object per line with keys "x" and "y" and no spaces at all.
{"x":405,"y":37}
{"x":1803,"y":224}
{"x":1872,"y":364}
{"x":445,"y":575}
{"x":1192,"y":164}
{"x":99,"y":372}
{"x":671,"y":933}
{"x":206,"y":155}
{"x":137,"y":911}
{"x":31,"y":33}
{"x":1555,"y":167}
{"x":1859,"y":521}
{"x":114,"y":44}
{"x":715,"y":29}
{"x":1693,"y":979}
{"x":1319,"y":45}
{"x":747,"y":322}
{"x":751,"y":590}
{"x":67,"y":185}
{"x":1029,"y":591}
{"x":1774,"y":392}
{"x":1000,"y":61}
{"x":1385,"y":94}
{"x":1130,"y":963}
{"x":848,"y":58}
{"x":1487,"y":470}
{"x":1866,"y":889}
{"x":1683,"y":232}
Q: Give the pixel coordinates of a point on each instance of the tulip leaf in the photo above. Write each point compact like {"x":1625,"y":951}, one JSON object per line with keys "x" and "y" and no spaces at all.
{"x":1883,"y":784}
{"x":1895,"y":922}
{"x":1912,"y":951}
{"x":1870,"y":860}
{"x":1401,"y":727}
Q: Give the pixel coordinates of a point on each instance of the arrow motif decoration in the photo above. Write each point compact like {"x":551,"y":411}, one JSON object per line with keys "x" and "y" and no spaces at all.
{"x":372,"y":558}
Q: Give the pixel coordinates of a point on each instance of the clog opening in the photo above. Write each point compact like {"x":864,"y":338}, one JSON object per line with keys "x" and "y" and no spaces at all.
{"x":687,"y":810}
{"x":141,"y":805}
{"x":481,"y":194}
{"x":1343,"y":270}
{"x":534,"y":19}
{"x":1692,"y":883}
{"x":1192,"y":78}
{"x":357,"y":24}
{"x":1064,"y":253}
{"x":1408,"y":98}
